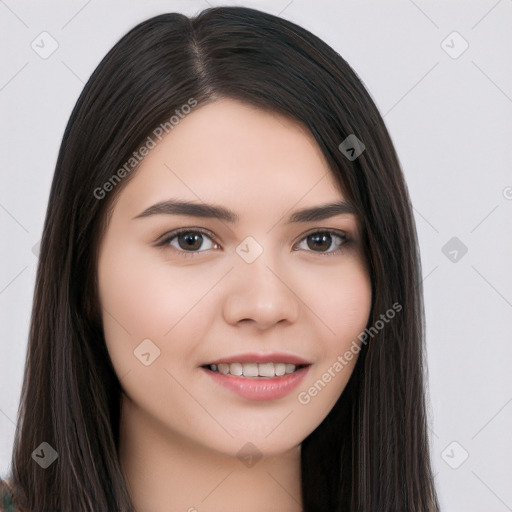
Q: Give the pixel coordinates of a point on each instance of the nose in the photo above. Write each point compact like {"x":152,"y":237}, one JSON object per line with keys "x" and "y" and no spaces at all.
{"x":261,"y":293}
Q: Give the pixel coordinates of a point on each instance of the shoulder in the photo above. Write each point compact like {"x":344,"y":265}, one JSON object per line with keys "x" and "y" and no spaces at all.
{"x":6,"y":499}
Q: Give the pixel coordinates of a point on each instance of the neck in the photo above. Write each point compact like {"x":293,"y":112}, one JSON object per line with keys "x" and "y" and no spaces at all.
{"x":166,"y":472}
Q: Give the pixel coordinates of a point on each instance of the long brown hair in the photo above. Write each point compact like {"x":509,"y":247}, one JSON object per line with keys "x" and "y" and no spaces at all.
{"x":371,"y":452}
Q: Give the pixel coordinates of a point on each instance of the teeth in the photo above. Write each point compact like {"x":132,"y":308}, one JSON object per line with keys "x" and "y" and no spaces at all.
{"x":266,"y":370}
{"x":254,"y":369}
{"x":248,"y":369}
{"x":236,"y":369}
{"x":280,"y":369}
{"x":223,"y":368}
{"x":289,"y":368}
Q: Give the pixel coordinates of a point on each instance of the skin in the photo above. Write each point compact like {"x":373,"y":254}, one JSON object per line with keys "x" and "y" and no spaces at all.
{"x":180,"y":431}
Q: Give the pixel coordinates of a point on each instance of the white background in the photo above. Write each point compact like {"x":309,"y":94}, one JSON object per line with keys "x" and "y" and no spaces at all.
{"x":451,"y":122}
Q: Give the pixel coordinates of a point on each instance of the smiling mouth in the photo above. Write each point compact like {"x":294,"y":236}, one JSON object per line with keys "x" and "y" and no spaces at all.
{"x":255,"y":370}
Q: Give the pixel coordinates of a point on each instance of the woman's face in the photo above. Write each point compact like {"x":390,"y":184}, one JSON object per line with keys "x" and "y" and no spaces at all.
{"x":267,"y":285}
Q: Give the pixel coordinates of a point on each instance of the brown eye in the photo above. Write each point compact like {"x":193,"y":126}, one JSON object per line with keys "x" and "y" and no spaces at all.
{"x":322,"y":241}
{"x":189,"y":241}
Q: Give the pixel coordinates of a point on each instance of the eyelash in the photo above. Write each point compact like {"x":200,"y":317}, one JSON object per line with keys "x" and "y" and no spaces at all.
{"x":191,"y":254}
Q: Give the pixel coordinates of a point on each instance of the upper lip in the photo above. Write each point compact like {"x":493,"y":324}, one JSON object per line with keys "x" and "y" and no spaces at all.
{"x":254,"y":357}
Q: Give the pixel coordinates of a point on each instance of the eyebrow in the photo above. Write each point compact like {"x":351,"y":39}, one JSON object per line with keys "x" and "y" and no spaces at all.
{"x":175,"y":207}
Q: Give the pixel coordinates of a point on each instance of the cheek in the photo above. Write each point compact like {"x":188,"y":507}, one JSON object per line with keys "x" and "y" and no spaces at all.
{"x":343,"y":306}
{"x":144,"y":298}
{"x":131,"y":295}
{"x":143,"y":294}
{"x":340,"y":297}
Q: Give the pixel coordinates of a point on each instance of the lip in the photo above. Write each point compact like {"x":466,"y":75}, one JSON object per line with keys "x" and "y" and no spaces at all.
{"x":254,"y":357}
{"x":259,"y":389}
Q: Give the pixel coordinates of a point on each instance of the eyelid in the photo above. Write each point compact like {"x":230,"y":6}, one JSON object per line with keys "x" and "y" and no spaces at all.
{"x":331,"y":231}
{"x":163,"y":240}
{"x":346,"y":237}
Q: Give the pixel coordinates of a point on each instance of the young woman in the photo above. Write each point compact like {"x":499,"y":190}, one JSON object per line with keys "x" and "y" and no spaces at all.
{"x":228,"y":308}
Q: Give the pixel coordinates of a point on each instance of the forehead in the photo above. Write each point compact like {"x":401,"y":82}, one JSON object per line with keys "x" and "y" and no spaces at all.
{"x":229,"y":152}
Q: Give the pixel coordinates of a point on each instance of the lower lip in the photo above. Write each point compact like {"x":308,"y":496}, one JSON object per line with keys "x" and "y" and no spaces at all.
{"x":270,"y":388}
